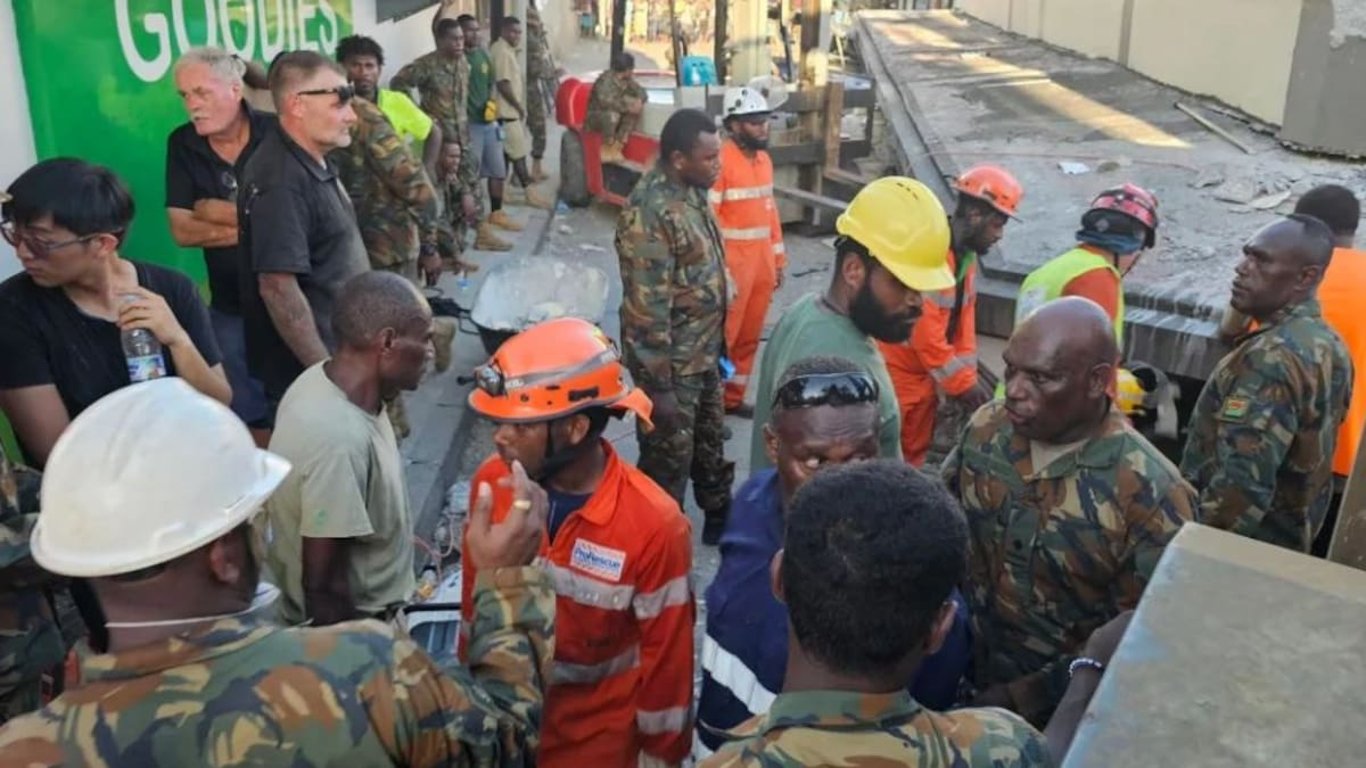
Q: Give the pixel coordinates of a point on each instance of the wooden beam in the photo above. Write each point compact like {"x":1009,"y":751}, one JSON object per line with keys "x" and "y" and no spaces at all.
{"x":808,"y":153}
{"x":834,"y":116}
{"x":811,"y":199}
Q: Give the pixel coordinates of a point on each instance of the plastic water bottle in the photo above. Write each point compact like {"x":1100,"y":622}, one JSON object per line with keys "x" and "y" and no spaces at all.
{"x":142,"y":352}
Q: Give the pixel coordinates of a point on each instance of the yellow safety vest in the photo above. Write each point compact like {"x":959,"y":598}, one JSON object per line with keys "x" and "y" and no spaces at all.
{"x":1048,"y":281}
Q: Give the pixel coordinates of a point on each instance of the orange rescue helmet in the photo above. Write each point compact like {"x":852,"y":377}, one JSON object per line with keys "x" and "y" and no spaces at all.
{"x":994,"y":186}
{"x":552,"y":370}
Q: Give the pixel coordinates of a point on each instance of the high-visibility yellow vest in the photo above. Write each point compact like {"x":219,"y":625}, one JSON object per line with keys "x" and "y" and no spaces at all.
{"x":1048,"y":281}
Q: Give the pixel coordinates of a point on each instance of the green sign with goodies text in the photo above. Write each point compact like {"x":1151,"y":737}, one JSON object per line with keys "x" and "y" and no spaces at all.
{"x":99,"y":83}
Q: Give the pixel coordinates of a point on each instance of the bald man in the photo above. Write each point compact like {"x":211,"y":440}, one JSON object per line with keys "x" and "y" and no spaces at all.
{"x":1265,"y":427}
{"x":341,"y":529}
{"x":1068,"y":507}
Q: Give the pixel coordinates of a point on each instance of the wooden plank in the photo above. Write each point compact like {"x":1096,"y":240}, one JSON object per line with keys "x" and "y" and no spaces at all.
{"x":1348,"y":545}
{"x":811,"y":199}
{"x":834,"y":114}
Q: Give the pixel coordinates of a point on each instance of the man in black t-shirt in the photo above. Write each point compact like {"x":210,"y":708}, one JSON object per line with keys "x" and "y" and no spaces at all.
{"x":61,"y":319}
{"x":300,"y":242}
{"x":204,"y":158}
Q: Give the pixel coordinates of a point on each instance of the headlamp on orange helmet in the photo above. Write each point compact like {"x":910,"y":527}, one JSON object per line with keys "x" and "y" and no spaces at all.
{"x":552,"y":370}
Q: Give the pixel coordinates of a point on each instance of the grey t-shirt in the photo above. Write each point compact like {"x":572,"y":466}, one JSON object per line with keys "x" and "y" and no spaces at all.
{"x":347,"y":483}
{"x":296,"y":218}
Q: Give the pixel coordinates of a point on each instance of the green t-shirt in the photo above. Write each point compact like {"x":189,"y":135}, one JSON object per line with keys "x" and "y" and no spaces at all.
{"x":347,"y":483}
{"x":811,"y":329}
{"x":481,"y":83}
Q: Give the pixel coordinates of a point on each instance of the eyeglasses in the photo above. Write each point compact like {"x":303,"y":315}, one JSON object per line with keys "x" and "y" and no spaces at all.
{"x":344,"y":93}
{"x":37,"y":247}
{"x":826,"y":389}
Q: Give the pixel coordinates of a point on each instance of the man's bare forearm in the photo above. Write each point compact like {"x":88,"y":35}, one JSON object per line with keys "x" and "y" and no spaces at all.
{"x":293,"y":318}
{"x":505,"y":88}
{"x":216,"y":212}
{"x":189,"y":230}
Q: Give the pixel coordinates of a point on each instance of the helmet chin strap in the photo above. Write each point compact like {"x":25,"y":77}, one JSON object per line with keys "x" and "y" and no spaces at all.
{"x":266,"y":595}
{"x":557,"y":460}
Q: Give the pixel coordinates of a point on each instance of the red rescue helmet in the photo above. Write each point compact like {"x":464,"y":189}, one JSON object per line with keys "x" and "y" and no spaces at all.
{"x":554,"y":369}
{"x":1133,"y":201}
{"x":994,"y":186}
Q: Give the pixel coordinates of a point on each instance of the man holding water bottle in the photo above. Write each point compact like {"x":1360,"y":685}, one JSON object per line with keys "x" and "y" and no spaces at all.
{"x":81,"y":320}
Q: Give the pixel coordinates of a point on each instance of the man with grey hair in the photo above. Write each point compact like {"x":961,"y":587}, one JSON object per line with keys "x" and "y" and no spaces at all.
{"x":204,"y":159}
{"x":341,"y":530}
{"x":300,"y":242}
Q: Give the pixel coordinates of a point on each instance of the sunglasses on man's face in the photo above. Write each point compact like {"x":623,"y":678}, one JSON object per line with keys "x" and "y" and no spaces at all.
{"x":826,"y":389}
{"x":344,"y":93}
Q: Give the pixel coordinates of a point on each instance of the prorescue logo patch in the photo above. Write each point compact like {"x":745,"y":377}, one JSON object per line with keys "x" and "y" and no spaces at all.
{"x":603,"y":562}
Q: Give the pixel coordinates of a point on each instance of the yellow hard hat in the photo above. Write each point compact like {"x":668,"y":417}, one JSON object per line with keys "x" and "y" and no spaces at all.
{"x":1131,"y":395}
{"x":904,"y":227}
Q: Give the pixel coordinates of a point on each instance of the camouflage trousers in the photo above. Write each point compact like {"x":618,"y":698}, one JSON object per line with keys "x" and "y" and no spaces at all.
{"x":535,"y":116}
{"x":694,"y":447}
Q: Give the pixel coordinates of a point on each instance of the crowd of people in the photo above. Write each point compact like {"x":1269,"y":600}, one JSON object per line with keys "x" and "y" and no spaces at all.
{"x":232,"y":543}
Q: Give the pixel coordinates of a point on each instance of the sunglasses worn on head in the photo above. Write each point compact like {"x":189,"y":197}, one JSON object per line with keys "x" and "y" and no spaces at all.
{"x":344,"y":93}
{"x":826,"y":389}
{"x":38,"y":247}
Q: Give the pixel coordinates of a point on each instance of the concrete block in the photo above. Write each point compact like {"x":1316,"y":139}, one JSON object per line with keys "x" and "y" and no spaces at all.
{"x":1238,"y":51}
{"x":1324,"y":110}
{"x":1240,"y":654}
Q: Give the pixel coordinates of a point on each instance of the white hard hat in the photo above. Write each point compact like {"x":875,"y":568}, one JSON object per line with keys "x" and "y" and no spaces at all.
{"x":744,"y":101}
{"x":148,"y":473}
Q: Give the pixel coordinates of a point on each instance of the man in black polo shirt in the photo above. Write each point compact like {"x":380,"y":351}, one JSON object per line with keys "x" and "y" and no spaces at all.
{"x":300,"y":241}
{"x":204,"y":158}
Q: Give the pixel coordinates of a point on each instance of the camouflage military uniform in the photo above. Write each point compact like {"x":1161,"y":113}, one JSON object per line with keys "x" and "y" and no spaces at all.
{"x":30,"y":641}
{"x":607,"y":102}
{"x":673,"y":310}
{"x":396,"y":204}
{"x":1055,"y":551}
{"x":540,"y":71}
{"x":835,"y":728}
{"x":443,"y":86}
{"x":1265,"y":427}
{"x":246,"y":693}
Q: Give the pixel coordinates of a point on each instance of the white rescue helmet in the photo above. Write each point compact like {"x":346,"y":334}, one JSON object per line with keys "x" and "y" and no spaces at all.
{"x":743,"y":101}
{"x":147,"y":474}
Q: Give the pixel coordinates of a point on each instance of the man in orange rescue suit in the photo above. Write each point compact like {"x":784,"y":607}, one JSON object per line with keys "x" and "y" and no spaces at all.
{"x":748,"y":215}
{"x":941,"y":355}
{"x":618,"y":550}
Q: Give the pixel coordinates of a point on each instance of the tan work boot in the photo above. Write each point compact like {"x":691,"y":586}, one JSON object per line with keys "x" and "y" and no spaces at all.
{"x":537,"y":170}
{"x":534,"y":199}
{"x":501,"y":220}
{"x":443,"y":334}
{"x":486,"y":240}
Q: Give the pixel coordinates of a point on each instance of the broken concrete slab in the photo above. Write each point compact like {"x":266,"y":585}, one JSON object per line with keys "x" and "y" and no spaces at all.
{"x":1240,"y":654}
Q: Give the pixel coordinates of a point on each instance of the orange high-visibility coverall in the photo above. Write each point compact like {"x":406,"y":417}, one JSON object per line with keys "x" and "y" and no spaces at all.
{"x":620,"y":692}
{"x":745,"y":209}
{"x":934,"y":359}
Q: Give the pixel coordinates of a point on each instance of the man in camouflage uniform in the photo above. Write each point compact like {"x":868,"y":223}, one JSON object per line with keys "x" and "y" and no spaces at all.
{"x":1068,"y":507}
{"x":441,"y":79}
{"x":615,"y":105}
{"x":191,"y":676}
{"x":396,"y":208}
{"x":541,"y":76}
{"x":871,"y":553}
{"x":1265,"y":427}
{"x":30,"y":641}
{"x":673,"y":312}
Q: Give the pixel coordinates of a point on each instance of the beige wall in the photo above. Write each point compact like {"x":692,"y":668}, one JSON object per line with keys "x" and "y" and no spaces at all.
{"x":1238,"y":51}
{"x":1092,"y":27}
